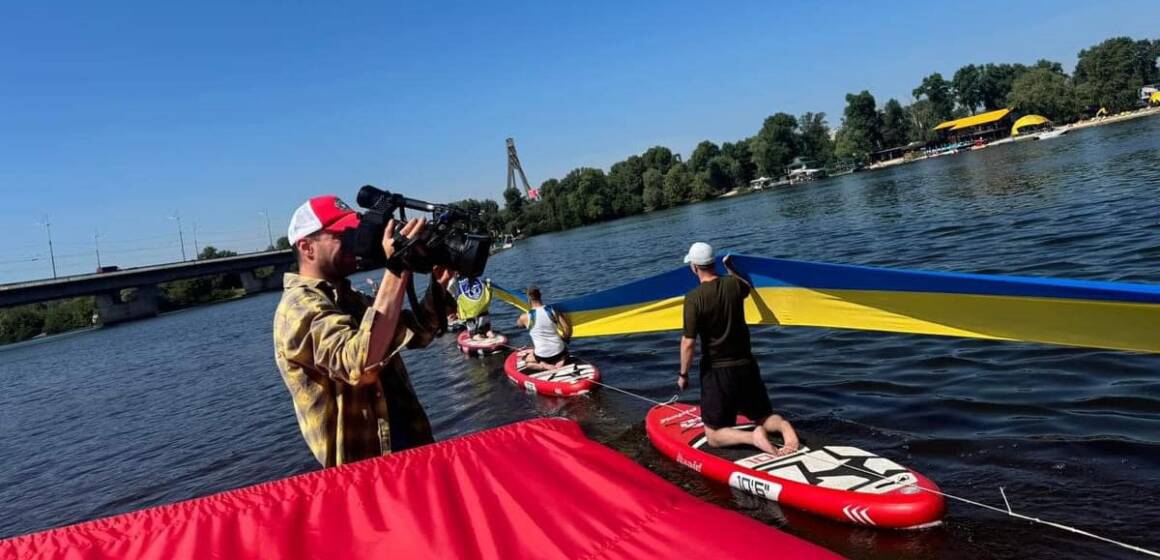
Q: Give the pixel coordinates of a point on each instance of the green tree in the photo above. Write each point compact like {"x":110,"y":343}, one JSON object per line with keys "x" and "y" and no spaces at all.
{"x":654,"y":188}
{"x":739,"y":151}
{"x":282,"y":243}
{"x":996,"y":83}
{"x":721,"y":173}
{"x":1111,"y":73}
{"x":861,"y":131}
{"x":704,"y":152}
{"x":1044,"y":92}
{"x":938,"y":91}
{"x":815,"y":142}
{"x":626,"y":180}
{"x":923,"y":120}
{"x":678,"y":185}
{"x":967,"y":84}
{"x":591,"y":194}
{"x":896,"y":125}
{"x":20,"y":323}
{"x":659,"y":158}
{"x":775,"y":145}
{"x":514,"y":202}
{"x":211,"y":252}
{"x":67,"y":315}
{"x":701,"y":189}
{"x":552,"y":206}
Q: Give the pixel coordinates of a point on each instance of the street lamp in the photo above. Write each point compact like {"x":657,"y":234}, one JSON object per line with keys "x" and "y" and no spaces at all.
{"x":196,"y":249}
{"x":51,"y":255}
{"x":97,"y":244}
{"x":269,"y":235}
{"x":180,"y":236}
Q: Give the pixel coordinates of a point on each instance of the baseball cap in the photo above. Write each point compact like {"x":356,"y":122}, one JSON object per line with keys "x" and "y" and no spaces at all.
{"x":321,"y":213}
{"x":700,"y":254}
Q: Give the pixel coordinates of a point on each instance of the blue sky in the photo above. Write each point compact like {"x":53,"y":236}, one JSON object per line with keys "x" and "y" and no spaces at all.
{"x":116,"y":115}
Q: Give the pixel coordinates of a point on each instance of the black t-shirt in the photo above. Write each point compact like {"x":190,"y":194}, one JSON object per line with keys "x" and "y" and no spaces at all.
{"x":715,"y":312}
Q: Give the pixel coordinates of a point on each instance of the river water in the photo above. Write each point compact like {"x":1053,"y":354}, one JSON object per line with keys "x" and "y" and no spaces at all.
{"x":116,"y":419}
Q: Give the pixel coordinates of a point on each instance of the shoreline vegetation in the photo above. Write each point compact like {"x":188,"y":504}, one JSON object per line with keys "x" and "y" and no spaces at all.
{"x":1107,"y":79}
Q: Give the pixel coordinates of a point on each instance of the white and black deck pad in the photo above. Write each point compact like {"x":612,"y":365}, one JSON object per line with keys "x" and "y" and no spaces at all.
{"x":571,"y":373}
{"x":837,"y":467}
{"x":486,"y":342}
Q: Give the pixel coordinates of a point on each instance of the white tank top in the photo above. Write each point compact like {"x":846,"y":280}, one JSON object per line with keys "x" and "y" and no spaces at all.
{"x":545,"y":340}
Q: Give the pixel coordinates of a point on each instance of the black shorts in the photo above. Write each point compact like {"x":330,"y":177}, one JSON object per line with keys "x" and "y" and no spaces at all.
{"x":552,"y":359}
{"x":478,"y":325}
{"x":730,"y":390}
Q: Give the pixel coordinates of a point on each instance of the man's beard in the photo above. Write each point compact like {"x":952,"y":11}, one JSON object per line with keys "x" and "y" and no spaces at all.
{"x":342,"y":266}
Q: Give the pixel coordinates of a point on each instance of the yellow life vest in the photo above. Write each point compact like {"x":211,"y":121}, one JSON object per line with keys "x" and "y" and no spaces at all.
{"x":473,"y":299}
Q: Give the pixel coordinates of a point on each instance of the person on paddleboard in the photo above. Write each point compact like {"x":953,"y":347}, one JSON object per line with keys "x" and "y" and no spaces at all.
{"x":550,"y":332}
{"x":338,"y":349}
{"x":730,"y":379}
{"x":472,"y":303}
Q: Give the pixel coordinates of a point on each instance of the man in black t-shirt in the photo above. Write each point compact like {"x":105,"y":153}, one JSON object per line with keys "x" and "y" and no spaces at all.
{"x":730,"y":380}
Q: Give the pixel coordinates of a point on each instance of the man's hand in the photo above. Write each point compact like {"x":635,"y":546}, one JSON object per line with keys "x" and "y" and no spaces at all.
{"x":682,"y":382}
{"x":442,"y":275}
{"x":412,"y":229}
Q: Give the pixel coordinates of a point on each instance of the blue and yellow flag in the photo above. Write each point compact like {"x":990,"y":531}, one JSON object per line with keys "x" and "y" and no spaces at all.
{"x":1093,"y":314}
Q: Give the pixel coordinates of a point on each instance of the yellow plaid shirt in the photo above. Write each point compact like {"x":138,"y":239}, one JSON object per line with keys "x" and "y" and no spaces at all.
{"x":321,"y":338}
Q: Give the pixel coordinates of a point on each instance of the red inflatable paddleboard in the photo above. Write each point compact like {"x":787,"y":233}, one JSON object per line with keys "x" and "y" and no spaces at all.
{"x":474,"y":347}
{"x":836,"y":481}
{"x":576,"y":378}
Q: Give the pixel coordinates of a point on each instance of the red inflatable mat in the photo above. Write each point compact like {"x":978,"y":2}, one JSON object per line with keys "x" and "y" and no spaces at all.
{"x":535,"y":489}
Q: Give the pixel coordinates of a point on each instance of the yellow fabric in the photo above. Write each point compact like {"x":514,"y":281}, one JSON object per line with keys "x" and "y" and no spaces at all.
{"x":321,"y":340}
{"x":1154,"y":98}
{"x":1027,"y":120}
{"x":512,"y":299}
{"x":973,"y":120}
{"x":1096,"y":324}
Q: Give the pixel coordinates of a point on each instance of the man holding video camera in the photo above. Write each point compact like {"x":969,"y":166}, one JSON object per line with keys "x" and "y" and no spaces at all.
{"x":338,"y":349}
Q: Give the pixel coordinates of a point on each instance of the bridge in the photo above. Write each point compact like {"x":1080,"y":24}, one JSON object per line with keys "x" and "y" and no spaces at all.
{"x":107,"y":286}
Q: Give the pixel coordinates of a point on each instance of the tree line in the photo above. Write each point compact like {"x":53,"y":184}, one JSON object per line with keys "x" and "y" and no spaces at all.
{"x":1107,"y":75}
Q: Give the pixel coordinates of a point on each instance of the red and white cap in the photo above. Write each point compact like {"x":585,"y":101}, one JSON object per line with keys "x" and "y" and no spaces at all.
{"x":321,"y":213}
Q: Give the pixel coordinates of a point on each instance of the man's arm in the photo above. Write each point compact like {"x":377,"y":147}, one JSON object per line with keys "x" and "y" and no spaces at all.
{"x":522,"y":320}
{"x":388,"y":305}
{"x":688,"y":342}
{"x":728,"y":262}
{"x":565,"y":326}
{"x":688,"y":345}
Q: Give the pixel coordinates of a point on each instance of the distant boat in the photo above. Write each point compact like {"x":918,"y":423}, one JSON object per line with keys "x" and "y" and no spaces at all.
{"x":803,"y":175}
{"x":1054,"y":133}
{"x":505,"y":242}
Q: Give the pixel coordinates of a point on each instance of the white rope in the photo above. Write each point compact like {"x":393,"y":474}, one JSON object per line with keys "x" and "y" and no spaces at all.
{"x":1008,"y":511}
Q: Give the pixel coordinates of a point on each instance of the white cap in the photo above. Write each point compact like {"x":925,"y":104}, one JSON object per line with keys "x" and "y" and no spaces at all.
{"x":327,"y":212}
{"x":700,"y":254}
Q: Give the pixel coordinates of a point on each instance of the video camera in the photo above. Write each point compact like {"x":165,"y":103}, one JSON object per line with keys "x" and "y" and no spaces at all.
{"x":446,"y":241}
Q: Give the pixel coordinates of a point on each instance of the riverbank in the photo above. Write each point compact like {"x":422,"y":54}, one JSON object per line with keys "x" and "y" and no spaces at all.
{"x":27,"y":322}
{"x":1112,"y":119}
{"x":1086,"y":123}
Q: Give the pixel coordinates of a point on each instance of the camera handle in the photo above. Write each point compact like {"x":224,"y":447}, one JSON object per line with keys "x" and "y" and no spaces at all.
{"x":395,"y":264}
